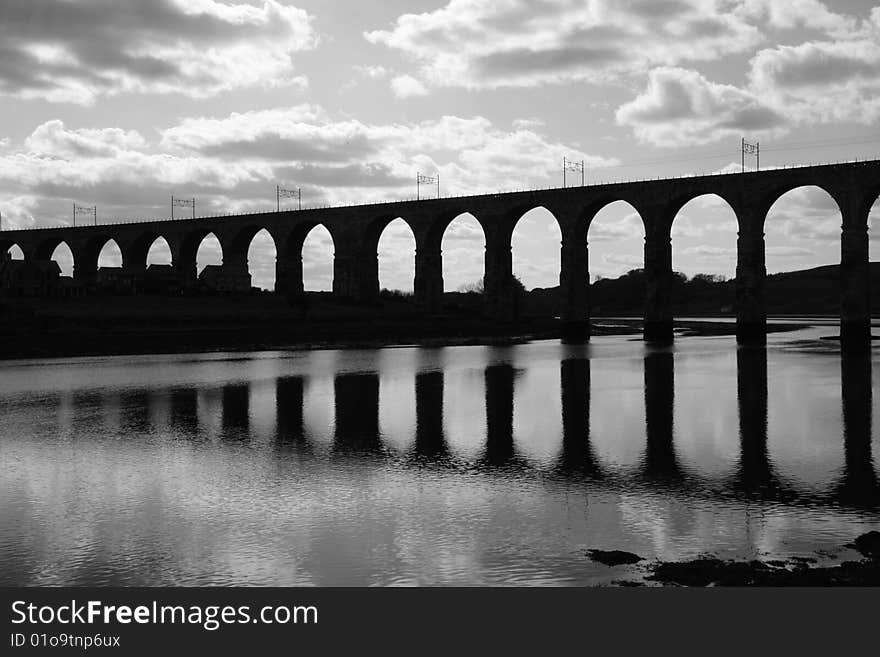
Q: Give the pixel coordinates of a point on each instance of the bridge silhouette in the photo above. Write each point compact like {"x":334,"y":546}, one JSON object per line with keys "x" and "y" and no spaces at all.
{"x":355,"y":231}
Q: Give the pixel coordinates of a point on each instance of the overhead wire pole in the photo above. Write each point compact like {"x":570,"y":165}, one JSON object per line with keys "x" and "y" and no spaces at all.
{"x":569,"y":165}
{"x":287,"y":193}
{"x":427,"y":180}
{"x":184,"y":203}
{"x":751,"y":149}
{"x":82,"y":209}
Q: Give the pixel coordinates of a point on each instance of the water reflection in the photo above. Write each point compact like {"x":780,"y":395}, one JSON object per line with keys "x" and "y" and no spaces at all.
{"x":235,"y":416}
{"x":499,"y":382}
{"x":430,"y":440}
{"x":660,"y":460}
{"x":185,"y":409}
{"x":577,"y":456}
{"x":499,"y":504}
{"x":356,"y":408}
{"x":755,"y":474}
{"x":859,"y":482}
{"x":290,"y":424}
{"x":136,"y":412}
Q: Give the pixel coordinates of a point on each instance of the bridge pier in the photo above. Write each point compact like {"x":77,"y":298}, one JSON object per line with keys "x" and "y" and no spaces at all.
{"x":289,"y":275}
{"x":356,"y":274}
{"x":428,"y":284}
{"x":236,"y":276}
{"x":499,"y":295}
{"x":658,"y":282}
{"x":855,"y":297}
{"x":84,"y":272}
{"x":751,"y":272}
{"x":574,"y":289}
{"x":344,"y":275}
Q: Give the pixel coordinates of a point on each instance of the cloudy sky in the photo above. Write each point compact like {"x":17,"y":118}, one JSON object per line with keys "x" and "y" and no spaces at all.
{"x":121,"y":103}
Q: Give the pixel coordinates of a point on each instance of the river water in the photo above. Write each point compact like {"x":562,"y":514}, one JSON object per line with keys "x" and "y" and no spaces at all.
{"x":456,"y":465}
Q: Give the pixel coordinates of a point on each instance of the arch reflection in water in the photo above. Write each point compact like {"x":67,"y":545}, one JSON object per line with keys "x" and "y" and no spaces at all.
{"x":858,"y":484}
{"x":135,"y":412}
{"x":356,"y":411}
{"x":755,"y":473}
{"x":89,"y":412}
{"x":289,"y":399}
{"x":577,"y":454}
{"x":499,"y":387}
{"x":430,"y":439}
{"x":235,"y":417}
{"x":660,"y":460}
{"x":185,"y":409}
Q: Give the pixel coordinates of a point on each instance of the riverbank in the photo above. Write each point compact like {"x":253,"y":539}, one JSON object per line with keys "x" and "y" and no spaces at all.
{"x":118,"y":325}
{"x":97,"y":338}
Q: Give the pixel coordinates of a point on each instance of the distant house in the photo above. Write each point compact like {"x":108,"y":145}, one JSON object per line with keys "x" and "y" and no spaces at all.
{"x":218,"y":279}
{"x":29,"y":278}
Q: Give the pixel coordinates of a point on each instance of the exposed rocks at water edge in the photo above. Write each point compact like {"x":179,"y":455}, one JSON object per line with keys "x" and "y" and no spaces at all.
{"x":613,"y":557}
{"x":797,"y":571}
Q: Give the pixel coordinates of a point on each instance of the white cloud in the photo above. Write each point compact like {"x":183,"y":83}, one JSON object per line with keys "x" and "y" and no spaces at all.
{"x":470,"y":153}
{"x":406,"y":86}
{"x":18,"y":211}
{"x":820,"y":82}
{"x":604,"y":230}
{"x":52,"y":138}
{"x":788,"y":252}
{"x":681,"y":107}
{"x":705,"y":251}
{"x":795,"y":14}
{"x":522,"y":43}
{"x":233,"y":163}
{"x":374,"y":72}
{"x":78,"y":51}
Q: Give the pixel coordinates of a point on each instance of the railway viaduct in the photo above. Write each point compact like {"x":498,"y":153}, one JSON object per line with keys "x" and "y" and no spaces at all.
{"x":356,"y":230}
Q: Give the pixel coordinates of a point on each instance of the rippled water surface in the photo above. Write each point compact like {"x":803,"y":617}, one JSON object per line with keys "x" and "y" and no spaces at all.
{"x":456,"y":465}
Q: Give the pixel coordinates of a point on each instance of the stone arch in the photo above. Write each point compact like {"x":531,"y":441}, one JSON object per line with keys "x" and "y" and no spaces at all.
{"x":705,"y":249}
{"x":12,"y":248}
{"x":457,"y":230}
{"x":385,"y":229}
{"x":874,"y":235}
{"x":616,"y":220}
{"x":189,"y":249}
{"x":137,"y":256}
{"x":262,"y":257}
{"x":235,"y":249}
{"x":798,"y":212}
{"x":108,"y":253}
{"x":294,"y":259}
{"x":160,"y":252}
{"x":539,"y":228}
{"x":59,"y":251}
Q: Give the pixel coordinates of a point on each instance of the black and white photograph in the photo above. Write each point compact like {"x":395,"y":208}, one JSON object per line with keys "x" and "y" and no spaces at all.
{"x":445,"y":294}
